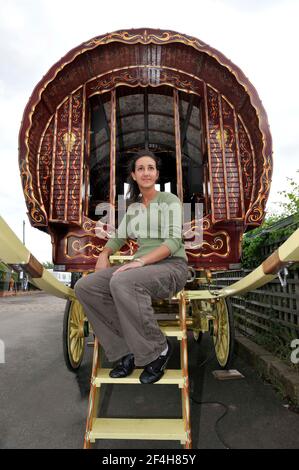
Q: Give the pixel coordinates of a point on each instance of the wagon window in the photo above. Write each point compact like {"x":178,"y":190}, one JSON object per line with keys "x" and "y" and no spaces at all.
{"x":145,"y":118}
{"x":99,"y":152}
{"x":191,"y":130}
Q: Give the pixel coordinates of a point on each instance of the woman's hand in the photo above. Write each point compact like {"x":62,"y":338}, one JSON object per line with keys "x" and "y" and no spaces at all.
{"x":125,"y":267}
{"x":102,"y":262}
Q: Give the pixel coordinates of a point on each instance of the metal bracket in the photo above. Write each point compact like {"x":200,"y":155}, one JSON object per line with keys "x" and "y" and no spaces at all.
{"x":282,"y":276}
{"x":191,"y":274}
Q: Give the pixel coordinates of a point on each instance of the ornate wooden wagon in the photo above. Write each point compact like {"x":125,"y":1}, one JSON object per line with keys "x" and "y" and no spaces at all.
{"x":178,"y":97}
{"x":144,"y":88}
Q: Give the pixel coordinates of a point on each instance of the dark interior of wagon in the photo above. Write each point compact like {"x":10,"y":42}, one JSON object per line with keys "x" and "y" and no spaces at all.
{"x":145,"y":119}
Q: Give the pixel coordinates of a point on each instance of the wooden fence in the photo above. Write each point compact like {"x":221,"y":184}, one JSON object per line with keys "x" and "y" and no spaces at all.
{"x":268,"y":310}
{"x":269,"y":315}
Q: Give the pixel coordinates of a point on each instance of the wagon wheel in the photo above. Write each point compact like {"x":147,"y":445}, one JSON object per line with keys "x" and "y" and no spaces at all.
{"x":223,"y":333}
{"x":75,"y":328}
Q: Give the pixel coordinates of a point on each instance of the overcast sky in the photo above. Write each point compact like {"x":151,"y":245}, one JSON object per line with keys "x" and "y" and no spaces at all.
{"x":260,"y":36}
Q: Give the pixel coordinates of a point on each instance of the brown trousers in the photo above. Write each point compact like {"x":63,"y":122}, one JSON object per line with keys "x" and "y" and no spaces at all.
{"x":119,"y":307}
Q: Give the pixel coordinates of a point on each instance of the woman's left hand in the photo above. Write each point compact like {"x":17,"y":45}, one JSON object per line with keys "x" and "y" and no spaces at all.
{"x":125,"y":267}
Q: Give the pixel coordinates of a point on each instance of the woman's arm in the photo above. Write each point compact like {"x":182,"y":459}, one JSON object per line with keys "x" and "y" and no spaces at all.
{"x":112,"y":245}
{"x":154,"y":256}
{"x":103,"y":259}
{"x":120,"y":237}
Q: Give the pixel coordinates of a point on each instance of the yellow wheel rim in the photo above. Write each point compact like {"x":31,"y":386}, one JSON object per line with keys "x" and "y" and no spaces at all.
{"x":221,"y":332}
{"x":75,"y":333}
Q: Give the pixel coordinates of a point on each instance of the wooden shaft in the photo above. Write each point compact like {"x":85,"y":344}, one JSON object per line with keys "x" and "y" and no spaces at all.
{"x":53,"y":165}
{"x":178,"y":151}
{"x":68,"y":151}
{"x":112,"y":153}
{"x":93,"y":396}
{"x":206,"y":109}
{"x":83,"y":133}
{"x":184,"y":366}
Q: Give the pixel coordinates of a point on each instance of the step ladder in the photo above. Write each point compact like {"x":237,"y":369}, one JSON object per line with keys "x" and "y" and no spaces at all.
{"x":149,"y":428}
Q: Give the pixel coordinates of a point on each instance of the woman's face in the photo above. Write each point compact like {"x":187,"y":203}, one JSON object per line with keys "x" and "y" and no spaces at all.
{"x":146,"y":173}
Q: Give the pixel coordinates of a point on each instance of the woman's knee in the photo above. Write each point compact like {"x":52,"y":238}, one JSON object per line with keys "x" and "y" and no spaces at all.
{"x":118,"y":282}
{"x":79,"y":286}
{"x":96,"y":282}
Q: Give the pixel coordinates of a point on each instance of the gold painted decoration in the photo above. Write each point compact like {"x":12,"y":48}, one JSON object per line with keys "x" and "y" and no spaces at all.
{"x":67,"y":166}
{"x":88,"y":245}
{"x":36,"y":213}
{"x":89,"y":225}
{"x":214,"y":244}
{"x":69,"y":140}
{"x":144,"y":37}
{"x":44,"y":166}
{"x":232,"y":162}
{"x":257,"y":212}
{"x":60,"y":163}
{"x":84,"y":248}
{"x":247,"y":161}
{"x":226,"y":136}
{"x":225,"y":168}
{"x":144,"y":75}
{"x":216,"y":164}
{"x":76,"y":156}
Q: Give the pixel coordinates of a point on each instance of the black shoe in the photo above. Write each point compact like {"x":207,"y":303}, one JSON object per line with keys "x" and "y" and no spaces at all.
{"x":124,"y":368}
{"x":155,"y":369}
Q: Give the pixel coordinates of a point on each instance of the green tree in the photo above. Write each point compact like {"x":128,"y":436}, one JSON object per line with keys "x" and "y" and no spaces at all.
{"x":48,"y":265}
{"x":290,"y":205}
{"x":254,"y":241}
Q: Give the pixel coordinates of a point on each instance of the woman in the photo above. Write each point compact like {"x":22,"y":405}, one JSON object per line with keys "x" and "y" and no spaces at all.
{"x":118,"y":300}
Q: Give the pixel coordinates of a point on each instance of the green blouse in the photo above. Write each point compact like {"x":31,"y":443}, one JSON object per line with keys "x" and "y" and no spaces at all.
{"x":160,"y":223}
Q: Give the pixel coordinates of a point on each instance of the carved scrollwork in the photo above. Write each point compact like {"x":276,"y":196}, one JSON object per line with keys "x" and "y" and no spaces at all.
{"x":35,"y":210}
{"x":257,"y":211}
{"x":213,"y":244}
{"x":144,"y":37}
{"x":246,"y":160}
{"x":143,"y":76}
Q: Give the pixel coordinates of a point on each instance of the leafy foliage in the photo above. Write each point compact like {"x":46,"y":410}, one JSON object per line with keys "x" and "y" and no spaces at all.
{"x":256,"y":242}
{"x":48,"y":265}
{"x":290,"y":205}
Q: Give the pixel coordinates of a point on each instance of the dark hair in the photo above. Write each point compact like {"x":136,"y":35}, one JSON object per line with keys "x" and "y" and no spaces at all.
{"x":133,"y":190}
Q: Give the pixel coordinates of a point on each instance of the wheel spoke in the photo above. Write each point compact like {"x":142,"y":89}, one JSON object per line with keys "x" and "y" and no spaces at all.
{"x":222,"y":348}
{"x":222,"y":338}
{"x":73,"y":333}
{"x":75,"y":314}
{"x":76,"y":350}
{"x":72,"y":346}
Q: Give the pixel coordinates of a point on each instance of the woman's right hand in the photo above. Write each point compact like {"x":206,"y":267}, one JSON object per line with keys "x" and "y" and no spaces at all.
{"x":102,"y":262}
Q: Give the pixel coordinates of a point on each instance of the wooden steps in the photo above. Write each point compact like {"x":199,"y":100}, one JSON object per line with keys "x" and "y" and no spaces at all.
{"x":170,"y":377}
{"x":174,"y":331}
{"x":173,"y":429}
{"x":141,"y":429}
